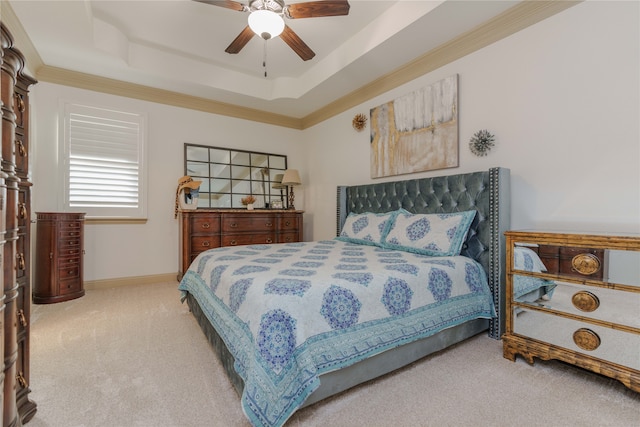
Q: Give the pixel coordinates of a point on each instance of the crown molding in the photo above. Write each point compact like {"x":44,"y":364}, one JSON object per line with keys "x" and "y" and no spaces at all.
{"x":517,"y":18}
{"x":131,"y":90}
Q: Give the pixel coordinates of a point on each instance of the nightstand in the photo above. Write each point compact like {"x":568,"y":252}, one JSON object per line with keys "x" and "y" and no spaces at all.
{"x":576,"y":298}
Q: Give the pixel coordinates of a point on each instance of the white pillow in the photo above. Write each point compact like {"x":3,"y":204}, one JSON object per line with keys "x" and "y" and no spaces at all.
{"x":367,"y":228}
{"x":527,"y":260}
{"x":429,"y":234}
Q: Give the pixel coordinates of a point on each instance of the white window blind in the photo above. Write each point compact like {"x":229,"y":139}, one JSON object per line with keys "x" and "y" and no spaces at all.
{"x":104,"y":154}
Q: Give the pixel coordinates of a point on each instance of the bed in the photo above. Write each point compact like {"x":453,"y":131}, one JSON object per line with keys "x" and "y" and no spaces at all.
{"x":381,"y":301}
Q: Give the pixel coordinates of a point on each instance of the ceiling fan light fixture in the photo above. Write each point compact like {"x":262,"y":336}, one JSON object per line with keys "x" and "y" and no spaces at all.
{"x":266,"y":24}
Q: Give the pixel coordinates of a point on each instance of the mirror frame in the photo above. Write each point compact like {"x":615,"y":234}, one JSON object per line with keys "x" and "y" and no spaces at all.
{"x":227,"y":180}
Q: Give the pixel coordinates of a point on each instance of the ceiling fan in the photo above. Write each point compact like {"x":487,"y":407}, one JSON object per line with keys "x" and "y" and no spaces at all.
{"x":266,"y":20}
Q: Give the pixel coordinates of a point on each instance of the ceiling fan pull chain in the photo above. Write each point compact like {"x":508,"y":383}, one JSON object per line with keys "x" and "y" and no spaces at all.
{"x":264,"y":58}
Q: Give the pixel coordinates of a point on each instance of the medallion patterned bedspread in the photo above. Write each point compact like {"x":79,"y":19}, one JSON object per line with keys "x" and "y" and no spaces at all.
{"x":291,"y":312}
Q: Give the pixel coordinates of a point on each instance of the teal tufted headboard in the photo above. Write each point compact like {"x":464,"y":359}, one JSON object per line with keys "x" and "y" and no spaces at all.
{"x":487,"y":192}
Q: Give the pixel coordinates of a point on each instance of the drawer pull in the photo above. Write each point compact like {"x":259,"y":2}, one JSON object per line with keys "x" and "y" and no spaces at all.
{"x":269,"y":224}
{"x":585,"y":264}
{"x":234,"y":225}
{"x":21,"y":318}
{"x":21,"y":380}
{"x":269,"y":240}
{"x":71,"y":272}
{"x":22,"y":210}
{"x":21,"y":149}
{"x":206,"y":244}
{"x":233,"y":242}
{"x":586,"y":339}
{"x":585,"y":301}
{"x":206,"y":225}
{"x":287,"y":223}
{"x":288,"y":239}
{"x":21,"y":262}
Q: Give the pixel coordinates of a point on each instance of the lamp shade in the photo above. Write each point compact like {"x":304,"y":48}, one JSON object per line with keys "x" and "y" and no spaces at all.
{"x":266,"y":24}
{"x":291,"y":177}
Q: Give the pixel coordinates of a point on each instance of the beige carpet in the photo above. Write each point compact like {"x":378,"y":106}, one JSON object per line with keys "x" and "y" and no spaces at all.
{"x":134,"y":356}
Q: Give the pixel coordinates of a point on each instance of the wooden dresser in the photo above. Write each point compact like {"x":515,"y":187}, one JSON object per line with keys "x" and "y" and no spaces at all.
{"x":15,"y":232}
{"x":204,"y":229}
{"x":590,"y":315}
{"x":59,"y":251}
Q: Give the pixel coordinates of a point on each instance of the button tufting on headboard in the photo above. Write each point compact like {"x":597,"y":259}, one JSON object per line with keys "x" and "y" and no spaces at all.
{"x":487,"y":192}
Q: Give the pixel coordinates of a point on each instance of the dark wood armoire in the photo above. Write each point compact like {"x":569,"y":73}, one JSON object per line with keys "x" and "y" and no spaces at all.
{"x":15,"y":234}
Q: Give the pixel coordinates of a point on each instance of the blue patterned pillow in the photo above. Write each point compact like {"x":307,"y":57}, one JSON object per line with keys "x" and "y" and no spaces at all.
{"x":429,"y":234}
{"x":367,"y":228}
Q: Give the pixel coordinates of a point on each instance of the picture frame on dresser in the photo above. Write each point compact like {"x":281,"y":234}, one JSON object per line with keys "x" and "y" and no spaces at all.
{"x":575,"y":298}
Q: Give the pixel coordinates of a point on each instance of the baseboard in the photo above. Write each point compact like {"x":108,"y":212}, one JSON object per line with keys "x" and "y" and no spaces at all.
{"x":131,"y":281}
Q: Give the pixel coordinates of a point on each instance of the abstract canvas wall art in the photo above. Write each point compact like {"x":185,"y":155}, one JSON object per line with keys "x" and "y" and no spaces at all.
{"x":416,"y":132}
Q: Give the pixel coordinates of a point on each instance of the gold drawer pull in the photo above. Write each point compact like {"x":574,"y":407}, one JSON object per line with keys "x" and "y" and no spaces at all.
{"x":269,"y":224}
{"x":22,"y":210}
{"x":585,"y":301}
{"x":234,"y":225}
{"x":586,"y":264}
{"x":206,"y":244}
{"x":586,"y":339}
{"x":206,"y":225}
{"x":21,"y":262}
{"x":287,"y":223}
{"x":21,"y":104}
{"x":21,"y":380}
{"x":269,"y":241}
{"x":21,"y":318}
{"x":288,"y":239}
{"x":21,"y":149}
{"x":233,"y":242}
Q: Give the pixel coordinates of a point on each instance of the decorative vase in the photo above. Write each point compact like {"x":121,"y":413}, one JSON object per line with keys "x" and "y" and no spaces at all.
{"x":250,"y":207}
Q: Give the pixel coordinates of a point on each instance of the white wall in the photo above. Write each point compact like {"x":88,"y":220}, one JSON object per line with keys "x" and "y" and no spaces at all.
{"x":562,"y":98}
{"x":129,"y":250}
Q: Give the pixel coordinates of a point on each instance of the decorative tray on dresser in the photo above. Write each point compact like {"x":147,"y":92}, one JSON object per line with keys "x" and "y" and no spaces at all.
{"x":204,"y":229}
{"x":585,"y":312}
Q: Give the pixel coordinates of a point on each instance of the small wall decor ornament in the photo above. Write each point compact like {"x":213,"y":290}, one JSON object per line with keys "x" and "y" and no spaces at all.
{"x":359,"y":122}
{"x":481,"y":142}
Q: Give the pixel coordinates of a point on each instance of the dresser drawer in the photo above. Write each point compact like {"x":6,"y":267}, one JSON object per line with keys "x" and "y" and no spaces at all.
{"x":581,"y":337}
{"x":572,"y":261}
{"x":248,"y":239}
{"x":607,"y":305}
{"x":72,"y":242}
{"x":67,"y":271}
{"x":290,"y":237}
{"x":250,"y":223}
{"x":289,"y":223}
{"x":70,"y":286}
{"x":70,"y":225}
{"x":203,"y":243}
{"x":205,"y":224}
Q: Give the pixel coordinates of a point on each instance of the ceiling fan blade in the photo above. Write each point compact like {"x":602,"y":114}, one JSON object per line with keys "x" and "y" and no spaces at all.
{"x":229,"y":4}
{"x":296,"y":43}
{"x":316,"y":9}
{"x":239,"y":42}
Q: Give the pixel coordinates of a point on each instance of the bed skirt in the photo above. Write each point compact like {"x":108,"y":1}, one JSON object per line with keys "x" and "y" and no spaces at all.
{"x":335,"y":382}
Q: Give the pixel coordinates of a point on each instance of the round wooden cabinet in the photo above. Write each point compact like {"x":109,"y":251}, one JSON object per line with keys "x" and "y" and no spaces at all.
{"x":59,"y":249}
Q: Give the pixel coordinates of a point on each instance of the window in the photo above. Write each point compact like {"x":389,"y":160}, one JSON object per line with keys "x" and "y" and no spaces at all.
{"x":103,"y":155}
{"x":229,"y":175}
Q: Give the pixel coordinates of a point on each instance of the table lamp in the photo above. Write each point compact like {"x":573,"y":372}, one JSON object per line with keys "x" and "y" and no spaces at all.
{"x":291,"y":178}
